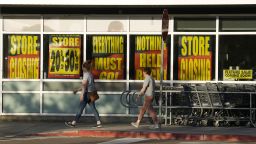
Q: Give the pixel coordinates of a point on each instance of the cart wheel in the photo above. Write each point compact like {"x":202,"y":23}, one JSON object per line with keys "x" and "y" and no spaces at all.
{"x":195,"y":123}
{"x":185,"y":122}
{"x":204,"y":122}
{"x":175,"y":121}
{"x":198,"y":123}
{"x":237,"y":123}
{"x":190,"y":122}
{"x":248,"y":124}
{"x":253,"y":125}
{"x":216,"y":123}
{"x":226,"y":123}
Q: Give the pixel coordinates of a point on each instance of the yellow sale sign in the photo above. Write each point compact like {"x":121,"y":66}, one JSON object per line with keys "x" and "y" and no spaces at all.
{"x":23,"y":56}
{"x":237,"y":74}
{"x":64,"y":56}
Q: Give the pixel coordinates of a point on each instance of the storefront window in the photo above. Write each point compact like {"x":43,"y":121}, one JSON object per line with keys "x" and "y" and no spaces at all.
{"x":146,"y":52}
{"x":194,"y":57}
{"x":63,"y":24}
{"x":106,"y":24}
{"x":21,"y":56}
{"x":108,"y":53}
{"x":189,"y":24}
{"x":62,"y":55}
{"x":238,"y":24}
{"x":21,"y":24}
{"x":146,"y":24}
{"x":237,"y":59}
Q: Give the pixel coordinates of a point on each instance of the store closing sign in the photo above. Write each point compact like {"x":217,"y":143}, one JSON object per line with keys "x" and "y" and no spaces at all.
{"x":195,"y":58}
{"x":23,"y":56}
{"x":64,"y":56}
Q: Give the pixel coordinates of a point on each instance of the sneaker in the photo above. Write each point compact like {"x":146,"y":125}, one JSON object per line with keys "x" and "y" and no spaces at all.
{"x":69,"y":124}
{"x":135,"y":124}
{"x":156,"y":126}
{"x":97,"y":126}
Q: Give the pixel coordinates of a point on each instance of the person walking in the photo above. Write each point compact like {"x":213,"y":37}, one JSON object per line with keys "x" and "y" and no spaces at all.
{"x":87,"y":85}
{"x":148,"y":90}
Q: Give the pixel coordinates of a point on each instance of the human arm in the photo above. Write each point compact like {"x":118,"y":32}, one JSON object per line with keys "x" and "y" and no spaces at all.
{"x":77,"y":89}
{"x":83,"y":86}
{"x":143,"y":90}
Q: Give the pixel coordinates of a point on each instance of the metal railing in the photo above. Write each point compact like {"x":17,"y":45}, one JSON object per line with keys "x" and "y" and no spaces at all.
{"x":215,"y":112}
{"x":199,"y":113}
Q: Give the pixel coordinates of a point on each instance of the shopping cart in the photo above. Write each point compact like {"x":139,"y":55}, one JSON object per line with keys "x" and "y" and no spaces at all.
{"x":197,"y":102}
{"x":217,"y":104}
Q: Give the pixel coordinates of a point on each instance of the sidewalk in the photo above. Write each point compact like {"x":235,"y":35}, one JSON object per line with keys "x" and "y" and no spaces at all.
{"x":28,"y":129}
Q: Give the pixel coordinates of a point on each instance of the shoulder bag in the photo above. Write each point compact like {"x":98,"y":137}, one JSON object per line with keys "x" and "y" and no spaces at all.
{"x":93,"y":96}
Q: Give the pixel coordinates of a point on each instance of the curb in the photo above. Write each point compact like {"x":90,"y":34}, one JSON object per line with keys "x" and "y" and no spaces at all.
{"x":152,"y":135}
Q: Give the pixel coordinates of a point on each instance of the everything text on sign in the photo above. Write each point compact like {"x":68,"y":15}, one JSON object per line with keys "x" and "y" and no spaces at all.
{"x":108,"y":54}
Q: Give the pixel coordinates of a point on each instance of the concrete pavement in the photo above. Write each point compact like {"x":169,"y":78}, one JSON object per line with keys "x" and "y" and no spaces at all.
{"x":16,"y":129}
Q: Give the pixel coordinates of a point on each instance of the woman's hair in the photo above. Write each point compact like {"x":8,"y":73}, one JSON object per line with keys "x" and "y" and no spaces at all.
{"x":147,"y":70}
{"x":87,"y":64}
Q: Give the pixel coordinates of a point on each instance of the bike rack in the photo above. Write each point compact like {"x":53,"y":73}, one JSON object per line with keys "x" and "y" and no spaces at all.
{"x":128,"y":99}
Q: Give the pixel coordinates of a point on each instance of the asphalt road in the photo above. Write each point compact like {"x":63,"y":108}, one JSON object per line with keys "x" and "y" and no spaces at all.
{"x":99,"y":140}
{"x":57,"y":133}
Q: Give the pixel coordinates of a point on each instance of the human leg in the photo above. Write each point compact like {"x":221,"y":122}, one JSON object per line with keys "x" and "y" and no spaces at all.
{"x":147,"y":102}
{"x":81,"y":107}
{"x":96,"y":113}
{"x":153,"y":115}
{"x":144,"y":108}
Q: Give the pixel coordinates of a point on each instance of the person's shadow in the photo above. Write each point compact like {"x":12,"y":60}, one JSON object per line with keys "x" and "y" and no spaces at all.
{"x":115,"y":26}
